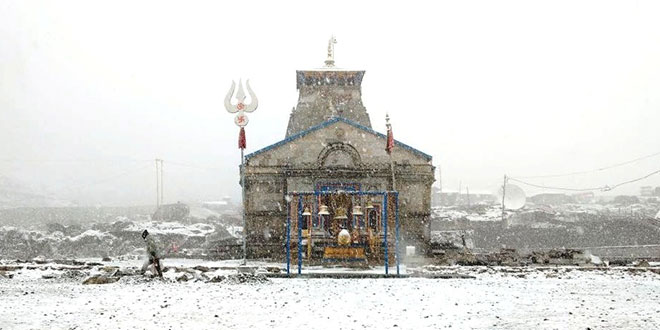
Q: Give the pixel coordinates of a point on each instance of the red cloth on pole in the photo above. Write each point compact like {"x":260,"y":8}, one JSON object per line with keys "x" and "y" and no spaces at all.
{"x":241,"y":139}
{"x":390,"y":140}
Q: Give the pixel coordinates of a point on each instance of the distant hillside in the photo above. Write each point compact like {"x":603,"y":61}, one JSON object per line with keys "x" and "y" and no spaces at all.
{"x":14,"y":194}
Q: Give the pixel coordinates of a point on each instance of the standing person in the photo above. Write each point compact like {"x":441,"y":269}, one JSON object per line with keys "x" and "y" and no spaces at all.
{"x":153,"y":255}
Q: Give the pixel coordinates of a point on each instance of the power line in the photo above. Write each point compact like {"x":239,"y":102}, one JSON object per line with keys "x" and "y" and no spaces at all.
{"x":71,"y":160}
{"x":555,"y":188}
{"x":591,"y":171}
{"x":634,"y":180}
{"x":603,"y":188}
{"x":109,"y":178}
{"x":194,"y":166}
{"x":74,"y":160}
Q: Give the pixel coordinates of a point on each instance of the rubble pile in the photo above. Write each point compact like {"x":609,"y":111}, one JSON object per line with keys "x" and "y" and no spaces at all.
{"x":537,"y":227}
{"x":511,"y":257}
{"x":109,"y":239}
{"x":89,"y":273}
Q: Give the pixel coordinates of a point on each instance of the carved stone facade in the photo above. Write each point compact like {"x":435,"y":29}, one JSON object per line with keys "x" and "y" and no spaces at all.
{"x":329,"y":141}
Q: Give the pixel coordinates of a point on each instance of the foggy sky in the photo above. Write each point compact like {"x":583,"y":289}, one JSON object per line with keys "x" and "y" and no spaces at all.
{"x":91,"y":93}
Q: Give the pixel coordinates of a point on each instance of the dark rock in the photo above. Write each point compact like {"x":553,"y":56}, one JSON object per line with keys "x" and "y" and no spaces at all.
{"x":273,"y":269}
{"x":73,"y":274}
{"x":40,"y":261}
{"x":202,"y":269}
{"x":4,"y":274}
{"x":183,"y":278}
{"x":217,"y":279}
{"x":126,"y":272}
{"x":100,"y":279}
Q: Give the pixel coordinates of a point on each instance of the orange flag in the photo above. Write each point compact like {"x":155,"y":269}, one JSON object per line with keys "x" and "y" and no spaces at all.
{"x":241,"y":139}
{"x":390,"y":137}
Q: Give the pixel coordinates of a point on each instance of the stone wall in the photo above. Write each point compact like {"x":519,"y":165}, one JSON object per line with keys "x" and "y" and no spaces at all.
{"x":335,"y":150}
{"x":267,"y":187}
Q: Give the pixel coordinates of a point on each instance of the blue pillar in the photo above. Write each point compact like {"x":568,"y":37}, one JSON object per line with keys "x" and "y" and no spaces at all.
{"x":387,"y":262}
{"x":288,"y":237}
{"x":396,"y":214}
{"x":300,"y":211}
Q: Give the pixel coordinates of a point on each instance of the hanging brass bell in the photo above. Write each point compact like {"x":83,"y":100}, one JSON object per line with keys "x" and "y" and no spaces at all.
{"x":324,"y":210}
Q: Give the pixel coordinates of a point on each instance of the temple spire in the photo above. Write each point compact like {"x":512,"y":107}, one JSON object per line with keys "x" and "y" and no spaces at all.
{"x":330,"y":62}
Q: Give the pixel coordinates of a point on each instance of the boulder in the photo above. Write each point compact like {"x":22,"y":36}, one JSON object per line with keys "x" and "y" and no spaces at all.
{"x":73,"y":274}
{"x":100,"y":279}
{"x":643,"y":263}
{"x":184,"y":277}
{"x":4,"y":274}
{"x":273,"y":269}
{"x":126,"y":272}
{"x":217,"y":279}
{"x":49,"y":276}
{"x":202,"y":269}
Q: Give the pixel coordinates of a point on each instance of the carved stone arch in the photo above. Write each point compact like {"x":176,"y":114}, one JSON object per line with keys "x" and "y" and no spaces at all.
{"x":339,"y":154}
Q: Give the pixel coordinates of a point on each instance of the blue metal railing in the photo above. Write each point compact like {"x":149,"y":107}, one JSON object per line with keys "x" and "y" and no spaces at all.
{"x":316,"y":194}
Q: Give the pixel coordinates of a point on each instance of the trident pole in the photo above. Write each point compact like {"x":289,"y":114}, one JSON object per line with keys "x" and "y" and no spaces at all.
{"x":244,"y":208}
{"x":241,"y":120}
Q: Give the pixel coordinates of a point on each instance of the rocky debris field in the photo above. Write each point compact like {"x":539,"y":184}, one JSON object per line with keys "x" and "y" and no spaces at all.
{"x":111,"y":239}
{"x":105,"y":273}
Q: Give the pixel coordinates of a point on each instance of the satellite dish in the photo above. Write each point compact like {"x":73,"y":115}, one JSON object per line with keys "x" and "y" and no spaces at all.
{"x":514,"y":198}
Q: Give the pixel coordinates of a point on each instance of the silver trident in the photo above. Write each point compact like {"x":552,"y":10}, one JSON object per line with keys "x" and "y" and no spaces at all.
{"x":241,"y":119}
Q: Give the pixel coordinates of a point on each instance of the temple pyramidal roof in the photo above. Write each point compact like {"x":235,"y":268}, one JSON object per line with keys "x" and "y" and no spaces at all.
{"x":328,"y":95}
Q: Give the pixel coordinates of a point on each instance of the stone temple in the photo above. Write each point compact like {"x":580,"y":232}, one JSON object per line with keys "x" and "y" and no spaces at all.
{"x":330,"y":146}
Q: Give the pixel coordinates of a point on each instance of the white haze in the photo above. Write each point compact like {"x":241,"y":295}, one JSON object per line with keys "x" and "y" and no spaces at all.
{"x":92,"y":92}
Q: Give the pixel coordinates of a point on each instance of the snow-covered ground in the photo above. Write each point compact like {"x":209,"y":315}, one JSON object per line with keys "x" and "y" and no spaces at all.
{"x":506,"y":298}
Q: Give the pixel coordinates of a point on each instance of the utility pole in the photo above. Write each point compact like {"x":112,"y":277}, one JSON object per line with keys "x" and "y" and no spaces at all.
{"x":162,"y":189}
{"x":159,"y":183}
{"x":468,"y":195}
{"x":460,"y":189}
{"x":440,"y":177}
{"x":504,"y":194}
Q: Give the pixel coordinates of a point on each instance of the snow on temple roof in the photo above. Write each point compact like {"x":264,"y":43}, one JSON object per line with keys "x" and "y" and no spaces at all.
{"x":327,"y":123}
